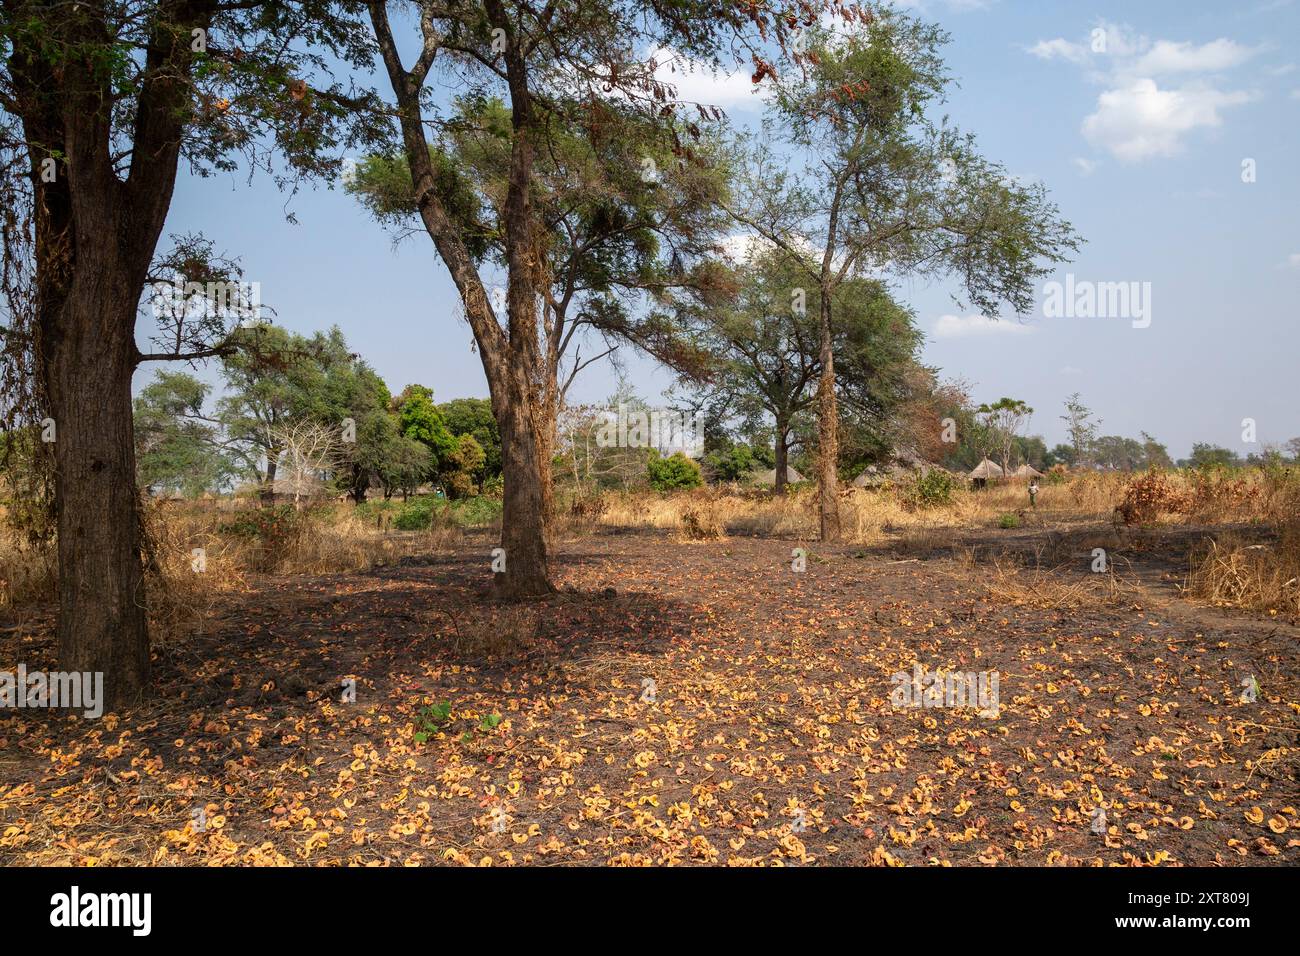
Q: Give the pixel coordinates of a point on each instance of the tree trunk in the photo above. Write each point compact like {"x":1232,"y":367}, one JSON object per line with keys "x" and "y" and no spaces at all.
{"x":782,"y":455}
{"x":523,"y":527}
{"x":827,"y":431}
{"x":546,"y":451}
{"x":88,"y":354}
{"x":268,"y":486}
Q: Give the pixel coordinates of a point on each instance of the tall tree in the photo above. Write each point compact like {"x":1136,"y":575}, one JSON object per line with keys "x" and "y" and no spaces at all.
{"x":1081,"y":426}
{"x":101,"y":102}
{"x":876,"y":184}
{"x":767,"y":358}
{"x":561,"y":70}
{"x":1003,"y":421}
{"x":178,"y":448}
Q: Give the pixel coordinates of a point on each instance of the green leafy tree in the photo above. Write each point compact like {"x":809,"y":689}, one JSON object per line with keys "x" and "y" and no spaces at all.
{"x":178,"y":449}
{"x":563,"y":170}
{"x":473,"y":416}
{"x":1209,"y":455}
{"x":766,"y":359}
{"x":876,"y":182}
{"x":419,"y":418}
{"x":734,"y":464}
{"x":101,"y":102}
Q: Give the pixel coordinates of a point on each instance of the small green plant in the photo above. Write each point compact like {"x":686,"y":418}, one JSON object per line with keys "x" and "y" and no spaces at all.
{"x":1008,"y":522}
{"x":431,"y":719}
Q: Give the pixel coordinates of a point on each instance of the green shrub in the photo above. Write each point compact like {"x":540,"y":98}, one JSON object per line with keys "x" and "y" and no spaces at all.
{"x":475,"y":512}
{"x":675,"y":471}
{"x":734,"y":464}
{"x":1008,"y":522}
{"x":931,"y":489}
{"x":415,"y":515}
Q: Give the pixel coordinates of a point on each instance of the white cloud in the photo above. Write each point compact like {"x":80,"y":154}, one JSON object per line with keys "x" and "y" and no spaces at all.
{"x":957,"y":326}
{"x":1086,"y":167}
{"x":1295,"y":94}
{"x":1166,"y":56}
{"x":1155,"y":93}
{"x":1293,"y":261}
{"x":1283,"y":70}
{"x":1142,"y":121}
{"x":1060,"y":47}
{"x":1070,"y":370}
{"x":696,"y":83}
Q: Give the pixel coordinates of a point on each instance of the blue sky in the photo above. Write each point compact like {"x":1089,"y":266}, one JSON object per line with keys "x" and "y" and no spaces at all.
{"x":1137,"y":116}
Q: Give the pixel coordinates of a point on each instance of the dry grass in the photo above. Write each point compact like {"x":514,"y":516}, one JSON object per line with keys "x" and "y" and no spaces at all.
{"x":1261,"y":577}
{"x":1010,"y":582}
{"x":193,"y":557}
{"x":491,"y":632}
{"x":27,"y":572}
{"x":867,"y":516}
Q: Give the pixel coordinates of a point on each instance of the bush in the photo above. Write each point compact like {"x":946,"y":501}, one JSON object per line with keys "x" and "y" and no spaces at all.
{"x":415,"y":515}
{"x":930,"y":489}
{"x":276,"y":528}
{"x":734,"y":464}
{"x":701,"y":522}
{"x":475,"y":512}
{"x":1150,"y":495}
{"x":675,"y":471}
{"x":1008,"y":522}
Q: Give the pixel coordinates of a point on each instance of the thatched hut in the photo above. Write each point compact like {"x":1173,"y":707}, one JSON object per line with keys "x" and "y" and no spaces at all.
{"x":985,"y":470}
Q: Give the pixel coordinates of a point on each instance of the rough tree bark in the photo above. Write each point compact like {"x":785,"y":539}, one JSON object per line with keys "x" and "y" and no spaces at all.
{"x":827,"y":430}
{"x":95,"y":236}
{"x":511,"y":356}
{"x":782,"y":454}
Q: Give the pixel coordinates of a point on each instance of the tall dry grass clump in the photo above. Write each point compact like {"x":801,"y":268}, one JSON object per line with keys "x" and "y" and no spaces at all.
{"x":1260,"y":577}
{"x":194,"y":552}
{"x":28,"y":572}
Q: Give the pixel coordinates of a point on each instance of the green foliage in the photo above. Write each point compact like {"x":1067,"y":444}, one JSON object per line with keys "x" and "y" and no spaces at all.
{"x":734,"y":464}
{"x":464,"y":462}
{"x":177,"y":451}
{"x":431,"y":720}
{"x":473,"y":416}
{"x":420,"y":419}
{"x":420,"y":514}
{"x":1207,"y":455}
{"x":675,"y":471}
{"x":415,"y":515}
{"x":1008,"y":521}
{"x":930,"y":489}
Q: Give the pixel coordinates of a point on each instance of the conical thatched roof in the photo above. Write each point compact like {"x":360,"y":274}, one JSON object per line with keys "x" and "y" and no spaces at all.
{"x":768,"y":477}
{"x":1028,"y":471}
{"x":986,"y":469}
{"x":874,"y":475}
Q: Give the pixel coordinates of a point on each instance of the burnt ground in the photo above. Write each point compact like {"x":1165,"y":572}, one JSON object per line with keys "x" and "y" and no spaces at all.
{"x":771,"y":737}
